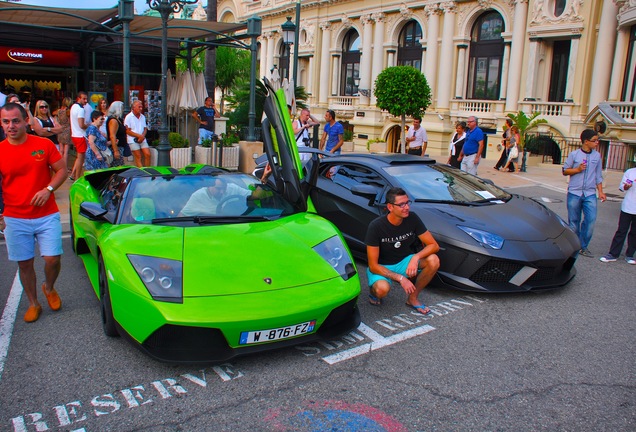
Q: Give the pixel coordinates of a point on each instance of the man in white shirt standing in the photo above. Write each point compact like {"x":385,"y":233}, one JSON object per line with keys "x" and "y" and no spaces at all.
{"x":78,"y":133}
{"x":416,"y":138}
{"x":136,"y":129}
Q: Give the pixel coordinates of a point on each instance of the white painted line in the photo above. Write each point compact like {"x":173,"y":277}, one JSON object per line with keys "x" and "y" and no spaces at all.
{"x":378,"y":341}
{"x":8,"y":319}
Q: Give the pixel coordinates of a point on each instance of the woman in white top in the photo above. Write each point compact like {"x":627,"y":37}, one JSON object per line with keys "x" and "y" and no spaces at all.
{"x":456,"y":144}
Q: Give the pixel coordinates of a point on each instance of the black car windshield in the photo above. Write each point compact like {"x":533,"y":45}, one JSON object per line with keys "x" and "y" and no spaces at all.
{"x":227,"y":198}
{"x":441,"y":183}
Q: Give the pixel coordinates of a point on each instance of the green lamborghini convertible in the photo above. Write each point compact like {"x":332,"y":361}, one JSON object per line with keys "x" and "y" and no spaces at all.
{"x":201,"y":264}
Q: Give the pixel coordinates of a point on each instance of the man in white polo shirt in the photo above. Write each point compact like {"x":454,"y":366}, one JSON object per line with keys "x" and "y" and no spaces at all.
{"x":78,"y":133}
{"x":136,"y":129}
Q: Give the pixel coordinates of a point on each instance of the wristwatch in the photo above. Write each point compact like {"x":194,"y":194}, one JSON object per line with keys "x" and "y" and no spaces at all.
{"x":50,"y":188}
{"x":48,"y":129}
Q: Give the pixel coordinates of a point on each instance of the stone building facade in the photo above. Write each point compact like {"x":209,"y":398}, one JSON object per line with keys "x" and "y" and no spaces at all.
{"x":574,"y":61}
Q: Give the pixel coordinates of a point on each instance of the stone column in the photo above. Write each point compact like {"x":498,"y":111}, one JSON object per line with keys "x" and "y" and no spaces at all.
{"x":323,"y":90}
{"x":460,"y":81}
{"x":503,"y":88}
{"x":603,"y":57}
{"x":516,"y":55}
{"x":390,"y":58}
{"x":378,"y":50}
{"x":446,"y":57}
{"x":311,"y":85}
{"x":618,"y":67}
{"x":365,"y":61}
{"x":530,"y":73}
{"x":430,"y":67}
{"x":335,"y":74}
{"x":569,"y":83}
{"x":263,"y":60}
{"x":271,"y":48}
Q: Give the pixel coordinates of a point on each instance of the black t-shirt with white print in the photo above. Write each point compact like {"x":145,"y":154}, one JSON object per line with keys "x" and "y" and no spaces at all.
{"x":395,"y":242}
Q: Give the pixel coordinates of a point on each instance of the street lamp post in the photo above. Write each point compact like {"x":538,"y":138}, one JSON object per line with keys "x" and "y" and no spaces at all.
{"x":254,"y":27}
{"x":165,"y":8}
{"x":126,"y":15}
{"x":289,"y":31}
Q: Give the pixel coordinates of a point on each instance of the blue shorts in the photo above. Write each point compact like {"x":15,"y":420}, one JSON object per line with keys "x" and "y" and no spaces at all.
{"x":399,"y":268}
{"x":22,"y":234}
{"x":205,"y":134}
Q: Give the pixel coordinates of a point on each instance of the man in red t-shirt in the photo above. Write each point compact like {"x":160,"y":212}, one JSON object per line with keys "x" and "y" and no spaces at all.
{"x":30,"y":211}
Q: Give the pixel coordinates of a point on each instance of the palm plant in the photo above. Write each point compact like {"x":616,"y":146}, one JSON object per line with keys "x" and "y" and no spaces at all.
{"x":525,"y":124}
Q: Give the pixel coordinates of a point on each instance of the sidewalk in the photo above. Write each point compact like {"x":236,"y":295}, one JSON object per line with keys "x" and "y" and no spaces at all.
{"x":546,"y":175}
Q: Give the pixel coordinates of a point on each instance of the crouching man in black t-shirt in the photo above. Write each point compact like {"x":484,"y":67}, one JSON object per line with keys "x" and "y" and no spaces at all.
{"x":392,"y":243}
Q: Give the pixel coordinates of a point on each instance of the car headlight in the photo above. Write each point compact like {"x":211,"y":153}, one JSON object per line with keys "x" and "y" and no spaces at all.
{"x":486,"y":239}
{"x":162,"y":277}
{"x":335,"y":253}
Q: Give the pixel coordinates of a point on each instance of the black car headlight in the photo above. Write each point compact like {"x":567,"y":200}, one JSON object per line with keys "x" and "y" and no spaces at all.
{"x":485,"y":238}
{"x":335,"y":253}
{"x":162,"y":277}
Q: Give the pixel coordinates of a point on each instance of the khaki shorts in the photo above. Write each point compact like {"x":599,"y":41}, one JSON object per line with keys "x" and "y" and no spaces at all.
{"x":138,"y":146}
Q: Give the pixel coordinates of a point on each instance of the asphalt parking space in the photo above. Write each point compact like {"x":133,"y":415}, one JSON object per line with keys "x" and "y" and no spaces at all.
{"x":556,"y":360}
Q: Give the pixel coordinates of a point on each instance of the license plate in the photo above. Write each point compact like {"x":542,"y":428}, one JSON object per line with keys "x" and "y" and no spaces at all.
{"x":276,"y":333}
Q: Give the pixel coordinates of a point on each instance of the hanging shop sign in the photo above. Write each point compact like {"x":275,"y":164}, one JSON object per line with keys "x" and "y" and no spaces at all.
{"x":39,"y":57}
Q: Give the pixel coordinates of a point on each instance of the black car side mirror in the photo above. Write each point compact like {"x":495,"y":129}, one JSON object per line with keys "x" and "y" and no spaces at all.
{"x":365,"y":191}
{"x":92,"y":211}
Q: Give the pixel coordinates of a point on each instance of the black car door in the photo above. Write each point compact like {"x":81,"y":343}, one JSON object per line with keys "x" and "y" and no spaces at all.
{"x":334,"y":199}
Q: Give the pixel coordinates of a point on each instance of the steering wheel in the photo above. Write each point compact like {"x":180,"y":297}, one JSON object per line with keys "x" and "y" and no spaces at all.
{"x":227,"y":200}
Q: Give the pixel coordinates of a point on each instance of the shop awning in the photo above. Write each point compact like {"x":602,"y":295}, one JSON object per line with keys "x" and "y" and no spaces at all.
{"x":33,"y":21}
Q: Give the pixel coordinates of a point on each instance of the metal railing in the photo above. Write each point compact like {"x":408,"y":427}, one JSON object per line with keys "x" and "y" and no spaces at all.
{"x":616,"y":155}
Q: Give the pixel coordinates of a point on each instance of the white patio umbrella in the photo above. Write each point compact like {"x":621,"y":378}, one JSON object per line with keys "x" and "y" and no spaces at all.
{"x":187,"y":97}
{"x":199,"y":88}
{"x":275,"y":79}
{"x":172,"y":94}
{"x":290,"y":94}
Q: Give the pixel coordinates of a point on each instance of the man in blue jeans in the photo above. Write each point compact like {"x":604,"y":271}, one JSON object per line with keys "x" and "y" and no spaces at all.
{"x":584,"y":166}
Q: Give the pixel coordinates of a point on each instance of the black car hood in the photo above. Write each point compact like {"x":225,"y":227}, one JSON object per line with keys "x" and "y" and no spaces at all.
{"x":519,"y":219}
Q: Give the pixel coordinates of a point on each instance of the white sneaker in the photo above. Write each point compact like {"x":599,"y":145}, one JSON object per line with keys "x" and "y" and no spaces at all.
{"x":630,"y":260}
{"x":607,"y":258}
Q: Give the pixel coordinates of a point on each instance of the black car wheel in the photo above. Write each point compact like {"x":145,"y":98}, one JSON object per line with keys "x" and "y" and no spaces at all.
{"x":108,"y":320}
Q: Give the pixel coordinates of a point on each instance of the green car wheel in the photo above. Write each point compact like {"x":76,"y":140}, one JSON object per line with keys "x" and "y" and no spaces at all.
{"x":108,"y":320}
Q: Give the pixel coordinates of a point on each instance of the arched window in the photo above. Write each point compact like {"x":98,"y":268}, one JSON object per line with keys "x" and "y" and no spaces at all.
{"x":410,"y":48}
{"x":559,"y":7}
{"x":486,"y":54}
{"x":283,"y":61}
{"x":350,"y":63}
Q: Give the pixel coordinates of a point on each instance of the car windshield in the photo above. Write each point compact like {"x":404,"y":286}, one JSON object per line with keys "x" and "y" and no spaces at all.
{"x":221,"y":198}
{"x":441,"y":183}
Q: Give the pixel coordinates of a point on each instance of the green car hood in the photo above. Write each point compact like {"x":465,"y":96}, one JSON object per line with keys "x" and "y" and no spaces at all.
{"x":255,"y":257}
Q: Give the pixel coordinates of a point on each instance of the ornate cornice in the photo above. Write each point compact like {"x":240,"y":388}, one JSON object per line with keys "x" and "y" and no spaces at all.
{"x":541,"y":13}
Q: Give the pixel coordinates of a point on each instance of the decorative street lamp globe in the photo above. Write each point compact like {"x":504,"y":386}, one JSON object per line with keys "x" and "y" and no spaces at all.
{"x":165,"y":8}
{"x":289,"y":31}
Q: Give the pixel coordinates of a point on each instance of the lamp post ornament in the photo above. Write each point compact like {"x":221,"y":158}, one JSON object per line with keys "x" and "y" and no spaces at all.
{"x":165,"y":8}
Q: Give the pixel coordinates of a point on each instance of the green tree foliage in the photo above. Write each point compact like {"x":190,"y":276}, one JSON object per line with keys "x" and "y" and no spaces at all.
{"x":525,"y":124}
{"x":239,"y":96}
{"x":402,"y":91}
{"x":231,"y":64}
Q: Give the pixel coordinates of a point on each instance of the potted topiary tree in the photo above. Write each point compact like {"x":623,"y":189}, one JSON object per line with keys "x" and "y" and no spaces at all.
{"x":228,"y":151}
{"x":402,"y":91}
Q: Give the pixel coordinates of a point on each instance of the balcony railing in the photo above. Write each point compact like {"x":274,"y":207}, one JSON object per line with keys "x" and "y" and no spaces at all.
{"x":552,"y":109}
{"x":343,"y":102}
{"x":627,"y":110}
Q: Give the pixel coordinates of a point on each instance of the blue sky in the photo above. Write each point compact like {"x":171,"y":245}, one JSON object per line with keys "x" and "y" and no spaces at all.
{"x":140,"y":5}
